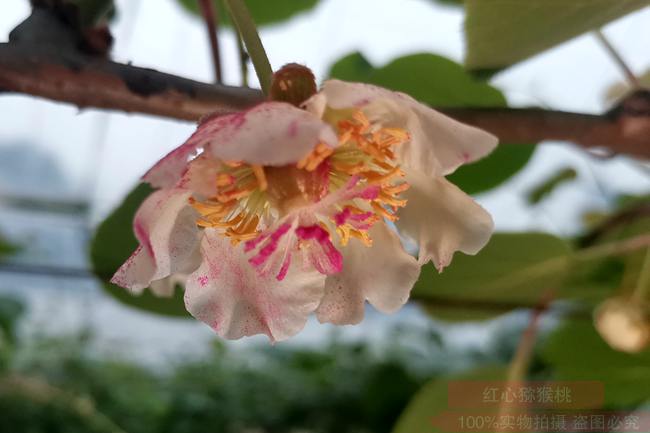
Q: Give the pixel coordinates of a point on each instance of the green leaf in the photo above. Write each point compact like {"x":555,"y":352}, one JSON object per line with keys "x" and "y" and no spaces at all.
{"x":431,"y":401}
{"x":7,"y":248}
{"x":544,"y":189}
{"x":263,"y":11}
{"x":450,"y":2}
{"x":10,"y":311}
{"x":440,"y":82}
{"x":112,"y":245}
{"x":502,"y":32}
{"x":576,"y":352}
{"x":91,"y":13}
{"x":501,"y":277}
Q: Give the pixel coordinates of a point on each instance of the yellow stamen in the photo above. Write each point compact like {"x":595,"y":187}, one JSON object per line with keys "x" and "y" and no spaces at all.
{"x":225,"y":179}
{"x":315,"y":157}
{"x":258,"y":170}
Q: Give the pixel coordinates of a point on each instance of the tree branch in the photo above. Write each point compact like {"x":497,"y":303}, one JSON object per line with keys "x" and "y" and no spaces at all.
{"x":87,"y":81}
{"x":94,"y":82}
{"x":623,"y":130}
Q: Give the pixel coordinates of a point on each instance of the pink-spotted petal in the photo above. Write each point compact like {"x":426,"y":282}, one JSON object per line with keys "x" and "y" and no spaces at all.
{"x":382,"y":274}
{"x":199,"y":176}
{"x":439,"y":144}
{"x":165,"y":227}
{"x":442,"y":219}
{"x":229,"y":295}
{"x":271,"y":133}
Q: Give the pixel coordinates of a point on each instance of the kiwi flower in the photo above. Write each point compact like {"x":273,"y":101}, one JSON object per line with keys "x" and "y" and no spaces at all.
{"x":281,"y":211}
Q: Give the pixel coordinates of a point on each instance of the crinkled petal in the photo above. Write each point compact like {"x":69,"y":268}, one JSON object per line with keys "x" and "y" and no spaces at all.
{"x":166,"y":228}
{"x":442,"y":219}
{"x":165,"y":287}
{"x":271,"y":133}
{"x":382,"y":274}
{"x":439,"y":144}
{"x":199,"y":176}
{"x":229,"y":295}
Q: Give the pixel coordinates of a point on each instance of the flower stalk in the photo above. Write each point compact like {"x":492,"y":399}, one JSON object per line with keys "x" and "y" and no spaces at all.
{"x":211,"y":20}
{"x":248,"y":32}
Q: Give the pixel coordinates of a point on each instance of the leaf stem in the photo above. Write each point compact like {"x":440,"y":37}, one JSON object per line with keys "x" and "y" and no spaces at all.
{"x":520,"y":364}
{"x":211,"y":20}
{"x":243,"y":61}
{"x":643,"y":283}
{"x":248,"y":32}
{"x":629,"y":75}
{"x":558,"y":264}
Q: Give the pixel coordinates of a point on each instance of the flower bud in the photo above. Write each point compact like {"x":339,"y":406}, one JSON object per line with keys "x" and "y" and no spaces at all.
{"x":624,"y":324}
{"x":293,"y":83}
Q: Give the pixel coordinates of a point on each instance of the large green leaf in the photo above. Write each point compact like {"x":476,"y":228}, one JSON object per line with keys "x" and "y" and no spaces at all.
{"x":112,"y":245}
{"x":440,"y":82}
{"x":431,"y":401}
{"x":505,"y":274}
{"x":577,"y":352}
{"x":502,"y":32}
{"x":263,"y":11}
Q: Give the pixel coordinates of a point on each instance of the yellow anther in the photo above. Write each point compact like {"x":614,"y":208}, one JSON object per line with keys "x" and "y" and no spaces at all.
{"x":225,"y":179}
{"x":379,"y":209}
{"x":315,"y":157}
{"x":237,"y":193}
{"x":362,"y":236}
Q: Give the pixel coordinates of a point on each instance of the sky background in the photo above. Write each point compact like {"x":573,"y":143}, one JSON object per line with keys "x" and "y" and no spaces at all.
{"x":98,"y":156}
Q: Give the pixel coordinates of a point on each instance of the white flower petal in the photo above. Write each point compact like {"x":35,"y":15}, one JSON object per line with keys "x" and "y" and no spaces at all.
{"x":229,"y":295}
{"x":166,"y":228}
{"x":200,"y":175}
{"x":383,"y":274}
{"x":442,"y":219}
{"x":271,"y":133}
{"x":439,"y":144}
{"x":165,"y":287}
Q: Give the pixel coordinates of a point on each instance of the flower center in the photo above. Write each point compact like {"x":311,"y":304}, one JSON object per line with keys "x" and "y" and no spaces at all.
{"x":343,"y":190}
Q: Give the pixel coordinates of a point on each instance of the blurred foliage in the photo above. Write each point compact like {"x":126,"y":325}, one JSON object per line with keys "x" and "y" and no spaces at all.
{"x":432,"y":400}
{"x":577,"y":352}
{"x":263,"y":11}
{"x":544,"y":189}
{"x":94,"y":12}
{"x":59,"y":384}
{"x":440,"y":82}
{"x":112,"y":245}
{"x":502,"y":32}
{"x":494,"y":277}
{"x":450,"y":2}
{"x":6,"y":247}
